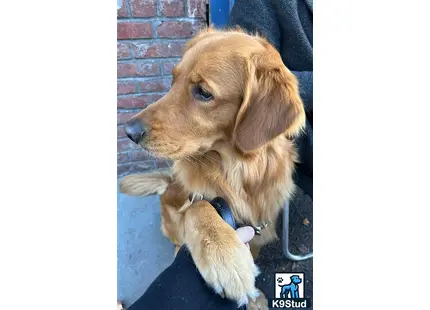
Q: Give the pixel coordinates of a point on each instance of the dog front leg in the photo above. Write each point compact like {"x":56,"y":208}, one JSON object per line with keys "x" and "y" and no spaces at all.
{"x":294,"y":291}
{"x":223,"y":260}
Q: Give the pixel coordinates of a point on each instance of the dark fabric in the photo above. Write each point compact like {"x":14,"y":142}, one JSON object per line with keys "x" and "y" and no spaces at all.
{"x":288,"y":25}
{"x":181,"y":287}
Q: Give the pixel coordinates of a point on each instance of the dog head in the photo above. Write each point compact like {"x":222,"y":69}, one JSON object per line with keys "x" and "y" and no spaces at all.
{"x":296,"y":279}
{"x":228,"y":86}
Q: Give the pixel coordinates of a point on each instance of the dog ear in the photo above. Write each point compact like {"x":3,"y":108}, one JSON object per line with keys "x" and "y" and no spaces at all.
{"x":271,"y":103}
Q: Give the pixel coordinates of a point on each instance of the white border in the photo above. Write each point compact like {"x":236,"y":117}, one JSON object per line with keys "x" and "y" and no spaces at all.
{"x":371,"y":156}
{"x":58,"y":166}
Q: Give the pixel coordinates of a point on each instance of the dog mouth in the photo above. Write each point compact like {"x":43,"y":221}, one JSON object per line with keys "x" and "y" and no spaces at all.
{"x":162,"y":146}
{"x":160,"y":150}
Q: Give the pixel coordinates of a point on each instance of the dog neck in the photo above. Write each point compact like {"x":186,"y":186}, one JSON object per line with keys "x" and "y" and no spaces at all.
{"x":255,"y":186}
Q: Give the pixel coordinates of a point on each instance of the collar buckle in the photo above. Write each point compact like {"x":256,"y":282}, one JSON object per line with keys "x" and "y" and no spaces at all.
{"x":258,"y":228}
{"x":193,"y":197}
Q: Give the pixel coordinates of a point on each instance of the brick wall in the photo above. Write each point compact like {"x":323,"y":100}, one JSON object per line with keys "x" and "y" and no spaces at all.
{"x":150,"y":38}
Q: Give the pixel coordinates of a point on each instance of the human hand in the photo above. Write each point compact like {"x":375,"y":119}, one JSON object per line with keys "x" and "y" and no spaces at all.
{"x":245,"y":234}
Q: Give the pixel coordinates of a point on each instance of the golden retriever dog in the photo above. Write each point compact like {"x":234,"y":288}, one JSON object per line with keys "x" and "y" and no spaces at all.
{"x":227,"y":124}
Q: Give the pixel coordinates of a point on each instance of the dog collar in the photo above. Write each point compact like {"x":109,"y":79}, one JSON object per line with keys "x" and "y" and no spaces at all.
{"x":224,"y":211}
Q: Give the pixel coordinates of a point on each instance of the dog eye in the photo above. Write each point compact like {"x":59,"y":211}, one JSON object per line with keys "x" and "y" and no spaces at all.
{"x":201,"y":94}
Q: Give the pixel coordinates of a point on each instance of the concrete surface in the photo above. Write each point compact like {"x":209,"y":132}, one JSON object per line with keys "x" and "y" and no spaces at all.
{"x":143,"y":252}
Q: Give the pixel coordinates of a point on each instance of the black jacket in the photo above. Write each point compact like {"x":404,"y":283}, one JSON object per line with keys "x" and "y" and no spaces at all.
{"x":288,"y":25}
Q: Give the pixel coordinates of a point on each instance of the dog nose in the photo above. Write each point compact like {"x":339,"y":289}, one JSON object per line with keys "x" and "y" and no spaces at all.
{"x":135,"y":130}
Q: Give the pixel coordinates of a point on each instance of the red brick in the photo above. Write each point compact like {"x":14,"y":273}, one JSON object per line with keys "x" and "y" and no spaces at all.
{"x":139,"y":166}
{"x":147,"y":68}
{"x":126,"y":145}
{"x":134,"y":30}
{"x":120,"y":132}
{"x":122,"y":158}
{"x":177,"y":29}
{"x":122,"y":12}
{"x":124,"y":70}
{"x":159,"y":85}
{"x":125,"y":88}
{"x":123,"y":170}
{"x":139,"y":155}
{"x":172,"y":7}
{"x":141,"y":101}
{"x":168,"y":66}
{"x":138,"y":69}
{"x":123,"y":51}
{"x":122,"y":117}
{"x":196,"y":8}
{"x":157,"y":49}
{"x":143,"y":8}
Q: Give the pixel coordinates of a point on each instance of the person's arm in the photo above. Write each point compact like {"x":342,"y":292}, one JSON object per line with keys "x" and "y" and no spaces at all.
{"x":180,"y":286}
{"x":260,"y":16}
{"x":306,"y":86}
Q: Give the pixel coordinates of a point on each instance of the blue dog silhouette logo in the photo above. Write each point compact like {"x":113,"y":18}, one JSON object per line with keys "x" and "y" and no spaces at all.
{"x":289,"y":285}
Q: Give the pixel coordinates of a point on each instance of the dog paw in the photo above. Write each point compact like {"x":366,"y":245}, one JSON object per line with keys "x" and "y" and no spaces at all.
{"x":223,"y":260}
{"x":230,"y":271}
{"x":259,"y":303}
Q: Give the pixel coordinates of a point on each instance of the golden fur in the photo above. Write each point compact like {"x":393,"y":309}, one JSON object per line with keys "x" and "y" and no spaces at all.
{"x":237,"y":146}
